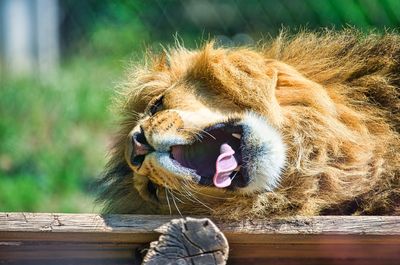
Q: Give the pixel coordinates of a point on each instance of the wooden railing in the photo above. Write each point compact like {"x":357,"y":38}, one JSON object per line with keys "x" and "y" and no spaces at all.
{"x":44,"y":238}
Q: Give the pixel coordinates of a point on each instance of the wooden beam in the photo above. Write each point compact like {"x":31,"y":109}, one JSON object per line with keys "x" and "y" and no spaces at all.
{"x":308,"y":240}
{"x":145,"y":224}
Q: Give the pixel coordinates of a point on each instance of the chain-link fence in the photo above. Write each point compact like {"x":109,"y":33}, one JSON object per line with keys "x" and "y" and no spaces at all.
{"x":193,"y":19}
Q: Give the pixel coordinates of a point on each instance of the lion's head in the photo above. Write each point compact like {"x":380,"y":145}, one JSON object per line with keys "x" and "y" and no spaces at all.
{"x":236,"y":130}
{"x":202,"y":132}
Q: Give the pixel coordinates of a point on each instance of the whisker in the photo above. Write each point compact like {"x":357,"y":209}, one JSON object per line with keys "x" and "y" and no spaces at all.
{"x":169,"y":205}
{"x":176,"y":197}
{"x":186,"y":194}
{"x":176,"y":206}
{"x":208,"y":195}
{"x":234,"y":176}
{"x":199,"y":201}
{"x":196,"y":134}
{"x":201,"y":130}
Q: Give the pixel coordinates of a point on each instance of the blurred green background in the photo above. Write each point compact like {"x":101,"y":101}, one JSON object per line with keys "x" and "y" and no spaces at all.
{"x":56,"y":126}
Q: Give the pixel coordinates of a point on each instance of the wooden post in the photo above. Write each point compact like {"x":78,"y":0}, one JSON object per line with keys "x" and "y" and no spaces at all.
{"x":47,"y":31}
{"x":18,"y":36}
{"x":29,"y":36}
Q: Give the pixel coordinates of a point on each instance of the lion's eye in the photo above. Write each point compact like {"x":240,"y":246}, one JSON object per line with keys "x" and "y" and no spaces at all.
{"x":156,"y":106}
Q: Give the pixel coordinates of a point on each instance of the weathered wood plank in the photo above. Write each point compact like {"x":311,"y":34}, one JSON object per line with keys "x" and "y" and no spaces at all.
{"x":146,"y":224}
{"x":112,"y":239}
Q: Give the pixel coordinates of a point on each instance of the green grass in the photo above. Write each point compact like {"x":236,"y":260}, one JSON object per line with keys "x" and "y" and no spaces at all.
{"x":55,"y":131}
{"x":54,"y":137}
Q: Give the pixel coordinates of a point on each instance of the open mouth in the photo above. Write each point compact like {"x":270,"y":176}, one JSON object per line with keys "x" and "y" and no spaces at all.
{"x":216,"y":156}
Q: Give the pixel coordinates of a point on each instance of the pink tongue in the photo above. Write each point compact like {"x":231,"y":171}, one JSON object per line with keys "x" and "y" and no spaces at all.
{"x":224,"y":166}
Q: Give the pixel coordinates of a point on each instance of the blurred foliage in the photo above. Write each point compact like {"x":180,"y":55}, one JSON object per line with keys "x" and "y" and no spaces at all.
{"x":55,"y":131}
{"x":54,"y":137}
{"x":195,"y":20}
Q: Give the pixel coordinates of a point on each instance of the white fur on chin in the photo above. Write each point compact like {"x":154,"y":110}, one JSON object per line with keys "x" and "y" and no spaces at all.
{"x":264,"y":153}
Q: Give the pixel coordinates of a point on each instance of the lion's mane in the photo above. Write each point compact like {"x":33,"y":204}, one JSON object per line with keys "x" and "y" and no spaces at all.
{"x":342,"y":135}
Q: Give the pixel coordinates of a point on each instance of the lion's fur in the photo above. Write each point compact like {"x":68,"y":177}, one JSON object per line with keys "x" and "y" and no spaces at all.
{"x":336,"y":104}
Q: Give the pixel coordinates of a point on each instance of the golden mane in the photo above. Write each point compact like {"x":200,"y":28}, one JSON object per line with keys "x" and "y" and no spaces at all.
{"x":339,"y":113}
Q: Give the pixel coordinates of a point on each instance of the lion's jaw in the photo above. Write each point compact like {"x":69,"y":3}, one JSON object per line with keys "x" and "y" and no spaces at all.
{"x":260,"y":151}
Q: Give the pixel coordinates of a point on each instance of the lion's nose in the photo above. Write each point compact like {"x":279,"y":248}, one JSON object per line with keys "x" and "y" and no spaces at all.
{"x":140,"y":148}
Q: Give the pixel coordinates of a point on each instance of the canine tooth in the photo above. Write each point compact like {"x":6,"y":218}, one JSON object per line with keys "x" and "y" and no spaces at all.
{"x":237,"y":168}
{"x":236,"y":135}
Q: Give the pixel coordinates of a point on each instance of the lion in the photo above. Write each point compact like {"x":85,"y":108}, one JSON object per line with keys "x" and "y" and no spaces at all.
{"x":303,"y":124}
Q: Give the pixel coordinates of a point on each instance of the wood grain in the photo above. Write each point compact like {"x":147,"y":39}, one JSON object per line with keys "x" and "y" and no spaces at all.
{"x":189,"y":240}
{"x":114,"y":239}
